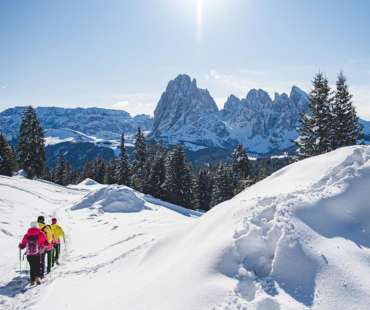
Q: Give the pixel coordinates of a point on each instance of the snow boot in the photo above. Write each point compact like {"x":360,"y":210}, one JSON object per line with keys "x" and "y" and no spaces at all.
{"x":38,"y":281}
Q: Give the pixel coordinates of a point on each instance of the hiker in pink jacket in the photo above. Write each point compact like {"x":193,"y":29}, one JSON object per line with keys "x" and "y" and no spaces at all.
{"x":35,"y":242}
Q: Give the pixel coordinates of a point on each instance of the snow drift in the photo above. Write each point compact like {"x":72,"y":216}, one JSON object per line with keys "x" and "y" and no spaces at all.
{"x":112,"y":199}
{"x":297,"y":240}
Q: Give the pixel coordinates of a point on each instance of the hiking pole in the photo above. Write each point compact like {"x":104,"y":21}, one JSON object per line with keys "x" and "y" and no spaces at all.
{"x":20,"y":262}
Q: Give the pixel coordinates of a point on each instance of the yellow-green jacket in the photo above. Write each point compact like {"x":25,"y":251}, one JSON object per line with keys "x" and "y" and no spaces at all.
{"x":49,"y":234}
{"x":57,"y":232}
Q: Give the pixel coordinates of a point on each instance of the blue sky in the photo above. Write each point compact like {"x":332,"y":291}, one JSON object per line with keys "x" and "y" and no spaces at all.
{"x":122,"y":53}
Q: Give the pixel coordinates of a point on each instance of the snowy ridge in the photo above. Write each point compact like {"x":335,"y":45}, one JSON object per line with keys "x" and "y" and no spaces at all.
{"x":296,"y":240}
{"x":100,"y":123}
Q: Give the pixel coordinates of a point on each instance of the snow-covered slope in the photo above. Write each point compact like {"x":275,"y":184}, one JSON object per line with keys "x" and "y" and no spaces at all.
{"x":297,"y":240}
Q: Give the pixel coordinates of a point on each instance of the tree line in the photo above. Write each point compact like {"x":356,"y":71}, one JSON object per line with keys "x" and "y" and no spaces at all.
{"x":164,"y":174}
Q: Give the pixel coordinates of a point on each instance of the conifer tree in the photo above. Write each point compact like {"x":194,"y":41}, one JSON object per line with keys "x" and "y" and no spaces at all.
{"x":204,"y":187}
{"x":316,"y":127}
{"x":139,"y":172}
{"x":111,"y":171}
{"x":157,"y":174}
{"x":179,"y":185}
{"x":123,"y":174}
{"x":88,"y":171}
{"x":60,"y":172}
{"x":7,"y":158}
{"x":99,"y":170}
{"x":31,"y":149}
{"x":190,"y":197}
{"x":240,"y":163}
{"x":223,"y":185}
{"x":346,"y":130}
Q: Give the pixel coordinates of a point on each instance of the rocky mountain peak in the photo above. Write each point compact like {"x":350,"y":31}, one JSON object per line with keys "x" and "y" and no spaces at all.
{"x":258,"y":96}
{"x":188,"y":113}
{"x":298,"y":96}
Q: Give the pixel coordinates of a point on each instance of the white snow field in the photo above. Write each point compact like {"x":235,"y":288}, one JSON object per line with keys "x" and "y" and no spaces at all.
{"x":299,"y":239}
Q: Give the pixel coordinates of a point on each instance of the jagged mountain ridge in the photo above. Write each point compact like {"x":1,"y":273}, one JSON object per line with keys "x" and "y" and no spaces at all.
{"x":187,"y":114}
{"x":263,"y":124}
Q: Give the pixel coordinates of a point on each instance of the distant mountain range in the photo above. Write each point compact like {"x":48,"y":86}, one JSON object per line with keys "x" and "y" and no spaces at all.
{"x":185,"y":114}
{"x":101,"y":124}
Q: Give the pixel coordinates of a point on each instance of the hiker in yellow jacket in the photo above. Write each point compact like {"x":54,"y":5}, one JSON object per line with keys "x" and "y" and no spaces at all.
{"x":57,"y":233}
{"x":46,"y":229}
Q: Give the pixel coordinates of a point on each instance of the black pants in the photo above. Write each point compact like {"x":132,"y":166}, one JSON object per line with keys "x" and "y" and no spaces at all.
{"x":34,"y":261}
{"x":49,"y":259}
{"x":42,"y":263}
{"x":56,"y":253}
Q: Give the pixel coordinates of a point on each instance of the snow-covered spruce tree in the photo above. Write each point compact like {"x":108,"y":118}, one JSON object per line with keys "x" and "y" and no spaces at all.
{"x":157,"y":174}
{"x":346,"y":130}
{"x":7,"y":158}
{"x":31,"y":148}
{"x":223,"y":185}
{"x":205,"y":184}
{"x":179,"y":185}
{"x":316,"y":126}
{"x":240,"y":163}
{"x":139,"y":173}
{"x":123,"y":174}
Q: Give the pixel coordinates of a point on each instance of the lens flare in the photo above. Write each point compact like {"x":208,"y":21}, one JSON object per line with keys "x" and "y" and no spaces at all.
{"x":199,"y":19}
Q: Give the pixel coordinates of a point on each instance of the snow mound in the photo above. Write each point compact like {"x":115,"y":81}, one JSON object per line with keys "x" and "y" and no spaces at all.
{"x":88,"y":182}
{"x":112,"y":198}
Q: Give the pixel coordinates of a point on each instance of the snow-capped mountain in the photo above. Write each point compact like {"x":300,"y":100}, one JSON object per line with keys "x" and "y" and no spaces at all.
{"x":103,"y":124}
{"x":264,"y":125}
{"x":187,"y":114}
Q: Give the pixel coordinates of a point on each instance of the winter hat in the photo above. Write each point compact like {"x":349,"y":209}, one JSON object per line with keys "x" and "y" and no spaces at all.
{"x":34,"y":225}
{"x":41,"y":219}
{"x":53,"y":220}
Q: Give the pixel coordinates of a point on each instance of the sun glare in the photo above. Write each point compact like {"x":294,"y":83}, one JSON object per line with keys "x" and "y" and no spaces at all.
{"x":199,"y":19}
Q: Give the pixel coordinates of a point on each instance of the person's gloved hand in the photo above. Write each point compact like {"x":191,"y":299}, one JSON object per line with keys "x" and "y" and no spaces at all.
{"x":20,"y":246}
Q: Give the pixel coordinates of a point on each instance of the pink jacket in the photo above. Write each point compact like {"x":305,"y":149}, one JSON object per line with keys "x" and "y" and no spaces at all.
{"x":41,"y":238}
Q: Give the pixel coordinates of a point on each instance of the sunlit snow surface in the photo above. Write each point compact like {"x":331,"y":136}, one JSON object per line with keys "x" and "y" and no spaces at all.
{"x":297,"y":240}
